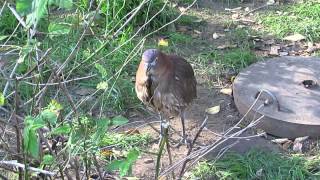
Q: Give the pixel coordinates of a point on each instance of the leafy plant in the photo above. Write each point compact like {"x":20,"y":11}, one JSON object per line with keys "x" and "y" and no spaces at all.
{"x":32,"y":124}
{"x":125,"y":165}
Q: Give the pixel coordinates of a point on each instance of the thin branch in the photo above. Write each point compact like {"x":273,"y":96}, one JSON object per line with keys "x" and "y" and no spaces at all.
{"x":3,"y":6}
{"x":204,"y":123}
{"x":18,"y":17}
{"x":22,"y":166}
{"x":62,"y":82}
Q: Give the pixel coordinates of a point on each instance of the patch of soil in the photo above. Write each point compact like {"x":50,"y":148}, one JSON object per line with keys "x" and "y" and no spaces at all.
{"x":215,"y":16}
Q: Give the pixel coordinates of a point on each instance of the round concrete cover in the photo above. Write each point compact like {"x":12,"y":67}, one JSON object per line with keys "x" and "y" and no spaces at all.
{"x":290,"y":96}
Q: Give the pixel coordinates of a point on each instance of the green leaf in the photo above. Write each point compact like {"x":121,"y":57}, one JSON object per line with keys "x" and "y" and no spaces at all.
{"x":57,"y":29}
{"x":124,"y":166}
{"x":133,"y":155}
{"x":39,"y":10}
{"x":3,"y":37}
{"x":102,"y":85}
{"x":48,"y":159}
{"x":67,"y":4}
{"x":49,"y":116}
{"x":101,"y":70}
{"x":2,"y":99}
{"x":33,"y":144}
{"x":64,"y":129}
{"x":30,"y":138}
{"x":119,"y":120}
{"x":23,"y":7}
{"x":102,"y":126}
{"x":25,"y":50}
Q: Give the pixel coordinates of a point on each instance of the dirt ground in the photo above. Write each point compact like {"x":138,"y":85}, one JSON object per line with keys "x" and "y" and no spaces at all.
{"x":207,"y":96}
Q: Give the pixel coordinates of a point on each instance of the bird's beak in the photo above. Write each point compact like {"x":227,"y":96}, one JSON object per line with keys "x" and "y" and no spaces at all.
{"x":150,"y":65}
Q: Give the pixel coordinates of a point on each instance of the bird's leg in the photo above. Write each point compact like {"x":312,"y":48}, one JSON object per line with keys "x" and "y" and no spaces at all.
{"x":184,"y":139}
{"x":161,"y":124}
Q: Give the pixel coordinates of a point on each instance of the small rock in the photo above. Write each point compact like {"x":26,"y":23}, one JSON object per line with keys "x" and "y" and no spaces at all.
{"x":148,"y":161}
{"x":247,"y":9}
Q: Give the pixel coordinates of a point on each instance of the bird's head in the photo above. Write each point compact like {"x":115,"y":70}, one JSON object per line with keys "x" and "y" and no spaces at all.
{"x":149,"y":57}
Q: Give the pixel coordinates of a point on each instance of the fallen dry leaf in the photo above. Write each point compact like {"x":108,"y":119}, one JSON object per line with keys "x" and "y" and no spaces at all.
{"x":183,"y":28}
{"x":280,"y":140}
{"x":182,"y":9}
{"x":235,"y":16}
{"x":233,"y":9}
{"x":270,"y":2}
{"x":148,"y":161}
{"x":198,"y":32}
{"x":301,"y":139}
{"x":227,"y":91}
{"x":297,"y":147}
{"x":283,"y":53}
{"x":286,"y":145}
{"x":132,"y":131}
{"x":215,"y":36}
{"x":213,"y":110}
{"x":226,"y":46}
{"x":295,"y":37}
{"x":269,"y":41}
{"x":274,"y":50}
{"x":259,"y":172}
{"x":84,"y":91}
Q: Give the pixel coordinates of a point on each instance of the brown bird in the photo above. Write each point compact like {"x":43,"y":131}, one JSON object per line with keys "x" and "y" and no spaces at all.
{"x":166,"y":83}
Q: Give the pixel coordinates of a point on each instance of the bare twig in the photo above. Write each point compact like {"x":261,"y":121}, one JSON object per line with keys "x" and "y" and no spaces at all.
{"x":205,"y":150}
{"x":3,"y":6}
{"x":96,"y":163}
{"x":62,"y":82}
{"x":261,"y":7}
{"x":18,"y":17}
{"x":69,"y":98}
{"x":11,"y":76}
{"x":204,"y":123}
{"x":22,"y":166}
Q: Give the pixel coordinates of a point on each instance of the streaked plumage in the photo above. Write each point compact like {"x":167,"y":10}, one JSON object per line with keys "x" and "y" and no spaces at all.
{"x":166,"y":83}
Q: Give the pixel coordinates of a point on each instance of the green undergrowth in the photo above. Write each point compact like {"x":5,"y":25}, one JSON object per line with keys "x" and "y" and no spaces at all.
{"x":125,"y":141}
{"x":259,"y":164}
{"x":118,"y":66}
{"x":301,"y":18}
